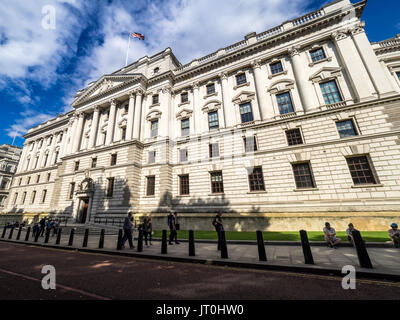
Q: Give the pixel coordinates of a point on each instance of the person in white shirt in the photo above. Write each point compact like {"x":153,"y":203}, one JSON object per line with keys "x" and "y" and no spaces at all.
{"x":349,"y":233}
{"x":330,"y":236}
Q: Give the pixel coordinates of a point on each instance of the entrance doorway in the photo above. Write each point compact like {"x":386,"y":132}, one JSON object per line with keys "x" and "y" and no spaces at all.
{"x":83,"y":212}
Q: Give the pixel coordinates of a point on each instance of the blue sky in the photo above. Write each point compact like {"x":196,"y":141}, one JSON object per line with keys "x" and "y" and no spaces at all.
{"x":41,"y":69}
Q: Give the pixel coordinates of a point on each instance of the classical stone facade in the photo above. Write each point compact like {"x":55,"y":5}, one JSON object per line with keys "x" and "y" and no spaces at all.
{"x":9,"y":158}
{"x":282,"y":130}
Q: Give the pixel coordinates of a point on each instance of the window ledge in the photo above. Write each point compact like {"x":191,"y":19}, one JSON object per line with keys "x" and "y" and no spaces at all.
{"x":210,"y":95}
{"x":367,"y":185}
{"x":154,"y":105}
{"x":311,"y":64}
{"x":183,"y":103}
{"x":183,"y":196}
{"x":257,"y":192}
{"x":216,"y":194}
{"x":305,"y":189}
{"x":148,"y":197}
{"x":277,"y":74}
{"x":247,"y":84}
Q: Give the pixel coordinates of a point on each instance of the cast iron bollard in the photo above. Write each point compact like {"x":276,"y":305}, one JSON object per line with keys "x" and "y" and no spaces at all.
{"x":71,"y":237}
{"x":58,"y":236}
{"x":219,"y":240}
{"x":119,"y":241}
{"x":362,"y":253}
{"x":140,"y":241}
{"x":192,"y":251}
{"x":37,"y":236}
{"x":164,"y":242}
{"x":46,"y":238}
{"x":101,"y":241}
{"x":19,"y":233}
{"x":85,"y":238}
{"x":261,"y":247}
{"x":11,"y":233}
{"x":4,"y":232}
{"x":28,"y":233}
{"x":224,"y":248}
{"x":308,"y":257}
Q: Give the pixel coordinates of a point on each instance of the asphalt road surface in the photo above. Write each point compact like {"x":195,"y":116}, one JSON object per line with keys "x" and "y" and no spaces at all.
{"x":95,"y":276}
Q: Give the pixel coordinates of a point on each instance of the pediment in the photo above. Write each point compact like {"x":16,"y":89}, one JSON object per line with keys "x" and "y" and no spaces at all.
{"x":326,"y":73}
{"x":281,"y":85}
{"x":106,"y":84}
{"x":243,"y":96}
{"x":211,"y":106}
{"x":153,"y":115}
{"x":183,"y":114}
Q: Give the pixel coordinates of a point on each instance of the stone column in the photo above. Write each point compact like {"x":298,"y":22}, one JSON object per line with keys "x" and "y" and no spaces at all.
{"x":265,"y":112}
{"x":33,"y":155}
{"x":306,"y":91}
{"x":94,"y":128}
{"x":111,"y":122}
{"x":71,"y":135}
{"x":374,"y":68}
{"x":229,"y":122}
{"x":78,"y":133}
{"x":63,"y":146}
{"x":138,"y":110}
{"x":50,"y":160}
{"x":196,"y":110}
{"x":23,"y":158}
{"x":131,"y":112}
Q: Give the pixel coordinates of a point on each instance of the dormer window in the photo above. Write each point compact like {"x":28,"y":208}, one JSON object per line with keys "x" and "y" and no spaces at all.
{"x":241,"y":79}
{"x":210,"y":88}
{"x":184,"y":97}
{"x":155,"y":99}
{"x":317,"y":54}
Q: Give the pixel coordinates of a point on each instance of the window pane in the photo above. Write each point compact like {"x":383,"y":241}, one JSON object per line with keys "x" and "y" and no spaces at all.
{"x":184,"y":97}
{"x":330,"y":92}
{"x":294,"y":137}
{"x":246,"y":112}
{"x":184,"y":184}
{"x":151,"y":185}
{"x":284,"y":103}
{"x":302,"y":175}
{"x":152,"y":156}
{"x":154,"y":128}
{"x":213,"y":120}
{"x":276,"y":67}
{"x":256,"y":180}
{"x":214,"y":150}
{"x":217,"y":185}
{"x":210,"y":88}
{"x":185,"y":127}
{"x":241,"y":79}
{"x":183,"y":155}
{"x":346,"y":128}
{"x":360,"y":170}
{"x":250,"y":144}
{"x":317,"y":55}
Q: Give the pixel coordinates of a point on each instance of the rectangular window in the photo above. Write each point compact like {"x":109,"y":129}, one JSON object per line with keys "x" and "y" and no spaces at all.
{"x":71,"y":190}
{"x":250,"y":144}
{"x":213,"y":150}
{"x":213,"y":122}
{"x":246,"y":113}
{"x":15,"y":197}
{"x":184,"y":184}
{"x":183,"y":153}
{"x":20,"y":181}
{"x":154,"y":128}
{"x":24,"y":197}
{"x":155,"y":99}
{"x":113,"y":159}
{"x":360,"y":170}
{"x":256,"y":180}
{"x":33,"y":197}
{"x":123,"y":133}
{"x":151,"y":185}
{"x":317,"y":54}
{"x":276,"y":67}
{"x":241,"y":79}
{"x":48,"y":176}
{"x":110,"y":187}
{"x":76,"y":165}
{"x":184,"y":97}
{"x":152,"y":157}
{"x":217,"y":184}
{"x":210,"y":88}
{"x":94,"y":163}
{"x":346,"y":128}
{"x":56,"y":157}
{"x":38,"y":178}
{"x":294,"y":137}
{"x":28,"y":181}
{"x":44,"y":196}
{"x":284,"y":103}
{"x":330,"y":92}
{"x":185,"y":127}
{"x":46,"y":157}
{"x":303,"y":176}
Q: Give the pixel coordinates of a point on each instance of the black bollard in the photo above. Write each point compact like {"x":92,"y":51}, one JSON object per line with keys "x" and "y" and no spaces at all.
{"x":4,"y":232}
{"x":308,"y":257}
{"x":47,"y":235}
{"x":192,"y":251}
{"x":101,"y":241}
{"x":85,"y":238}
{"x":219,"y":240}
{"x":71,"y":237}
{"x":37,"y":236}
{"x":11,"y":233}
{"x":363,"y":257}
{"x":224,"y":248}
{"x":28,"y":233}
{"x":19,"y":233}
{"x":140,"y":241}
{"x":58,"y":236}
{"x":261,"y":247}
{"x":164,"y":242}
{"x":119,"y":241}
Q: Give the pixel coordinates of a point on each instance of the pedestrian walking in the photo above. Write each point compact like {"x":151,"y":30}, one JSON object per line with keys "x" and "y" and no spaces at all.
{"x":128,"y":225}
{"x":35,"y":230}
{"x":217,"y":223}
{"x":42,"y":224}
{"x":147,"y":231}
{"x":172,"y":218}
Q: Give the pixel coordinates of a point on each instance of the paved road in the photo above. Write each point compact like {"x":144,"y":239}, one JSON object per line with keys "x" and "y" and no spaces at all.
{"x":97,"y":276}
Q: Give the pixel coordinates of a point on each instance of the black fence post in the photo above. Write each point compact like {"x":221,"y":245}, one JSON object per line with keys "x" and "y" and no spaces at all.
{"x":46,"y":238}
{"x":4,"y":232}
{"x":58,"y":236}
{"x":219,"y":240}
{"x":140,"y":241}
{"x":119,"y":242}
{"x":19,"y":233}
{"x":164,"y":242}
{"x":261,"y":247}
{"x":71,"y":237}
{"x":85,"y":238}
{"x":37,"y":236}
{"x":363,"y":257}
{"x":192,"y":251}
{"x":28,"y":233}
{"x":11,"y":233}
{"x":224,"y":248}
{"x":308,"y":257}
{"x":101,"y":241}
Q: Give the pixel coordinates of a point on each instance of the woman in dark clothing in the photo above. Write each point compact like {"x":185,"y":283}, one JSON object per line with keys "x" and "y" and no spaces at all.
{"x":147,"y":230}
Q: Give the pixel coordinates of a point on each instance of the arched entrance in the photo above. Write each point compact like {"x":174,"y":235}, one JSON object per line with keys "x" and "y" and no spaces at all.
{"x":84,"y":195}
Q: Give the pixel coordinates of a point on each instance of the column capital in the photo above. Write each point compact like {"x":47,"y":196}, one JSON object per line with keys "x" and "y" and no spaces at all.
{"x":166,"y":89}
{"x":81,"y":114}
{"x":113,"y":102}
{"x":96,"y":109}
{"x":294,"y":51}
{"x":223,"y":75}
{"x":131,"y":94}
{"x":358,"y":29}
{"x":139,"y":92}
{"x":255,"y":64}
{"x":195,"y":85}
{"x":339,"y":35}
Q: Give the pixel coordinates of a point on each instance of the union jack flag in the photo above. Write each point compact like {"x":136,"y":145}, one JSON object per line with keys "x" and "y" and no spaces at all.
{"x":137,"y":35}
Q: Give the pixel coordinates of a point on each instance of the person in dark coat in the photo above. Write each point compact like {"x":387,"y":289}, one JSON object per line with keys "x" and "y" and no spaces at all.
{"x":128,"y":225}
{"x":217,"y":223}
{"x":172,"y":218}
{"x":42,"y":224}
{"x":147,"y":230}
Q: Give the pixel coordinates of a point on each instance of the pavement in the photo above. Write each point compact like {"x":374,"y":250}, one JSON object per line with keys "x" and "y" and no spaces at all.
{"x":385,"y":261}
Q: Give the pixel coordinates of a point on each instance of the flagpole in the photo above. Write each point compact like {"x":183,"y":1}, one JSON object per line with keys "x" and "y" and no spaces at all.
{"x":127,"y":51}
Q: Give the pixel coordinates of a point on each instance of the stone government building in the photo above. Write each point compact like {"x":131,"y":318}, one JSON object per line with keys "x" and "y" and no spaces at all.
{"x":9,"y":157}
{"x":284,"y":130}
